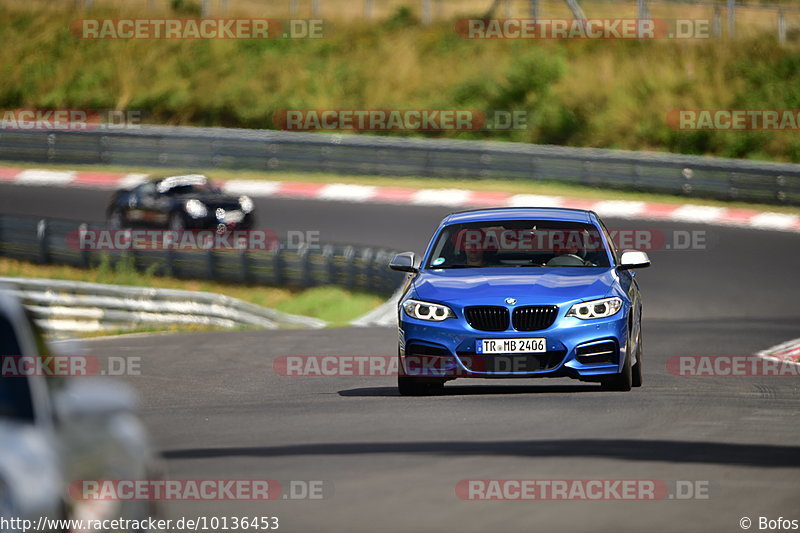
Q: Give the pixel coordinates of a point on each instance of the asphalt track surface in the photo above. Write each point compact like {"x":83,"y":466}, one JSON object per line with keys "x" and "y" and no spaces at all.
{"x":216,"y":408}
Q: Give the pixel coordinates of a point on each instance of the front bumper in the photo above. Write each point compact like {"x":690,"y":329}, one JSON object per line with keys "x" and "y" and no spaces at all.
{"x":581,"y":349}
{"x":212,"y":222}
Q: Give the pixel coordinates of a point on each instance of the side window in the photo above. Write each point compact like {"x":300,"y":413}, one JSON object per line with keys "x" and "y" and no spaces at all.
{"x":15,"y":393}
{"x":146,"y":189}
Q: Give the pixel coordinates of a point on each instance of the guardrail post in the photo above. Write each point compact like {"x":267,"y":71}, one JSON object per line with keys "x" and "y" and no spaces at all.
{"x":170,"y":264}
{"x":277,"y":264}
{"x":781,"y":27}
{"x":303,"y":256}
{"x":533,"y":9}
{"x":641,"y":10}
{"x":780,"y":195}
{"x":349,"y":255}
{"x":244,"y":265}
{"x":327,"y":261}
{"x":211,"y":263}
{"x":717,"y":24}
{"x":366,"y":266}
{"x":42,"y":238}
{"x":379,"y":270}
{"x":82,"y":229}
{"x":731,"y":18}
{"x":687,"y":174}
{"x":426,"y":12}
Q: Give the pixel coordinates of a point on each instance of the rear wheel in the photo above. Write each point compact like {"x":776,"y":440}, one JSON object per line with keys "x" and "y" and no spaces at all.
{"x":624,"y":380}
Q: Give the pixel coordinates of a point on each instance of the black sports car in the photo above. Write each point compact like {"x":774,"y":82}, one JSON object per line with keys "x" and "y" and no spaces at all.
{"x":180,"y":202}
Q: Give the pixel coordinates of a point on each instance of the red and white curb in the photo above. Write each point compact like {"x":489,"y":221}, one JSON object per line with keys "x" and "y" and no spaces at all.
{"x":454,"y":198}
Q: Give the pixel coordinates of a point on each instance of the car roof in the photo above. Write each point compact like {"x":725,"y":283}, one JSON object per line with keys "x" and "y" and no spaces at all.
{"x":521,"y":213}
{"x":164,"y":184}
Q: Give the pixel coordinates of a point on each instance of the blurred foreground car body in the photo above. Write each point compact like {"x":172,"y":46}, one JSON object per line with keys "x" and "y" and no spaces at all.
{"x":180,"y":202}
{"x":58,"y":430}
{"x":519,"y":293}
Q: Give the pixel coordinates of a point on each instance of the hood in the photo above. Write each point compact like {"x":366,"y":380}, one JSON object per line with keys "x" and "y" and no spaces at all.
{"x":534,"y":285}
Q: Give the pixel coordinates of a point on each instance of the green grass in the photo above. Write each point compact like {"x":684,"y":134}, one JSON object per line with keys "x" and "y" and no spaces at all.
{"x":495,"y":185}
{"x":334,"y":304}
{"x":605,"y":94}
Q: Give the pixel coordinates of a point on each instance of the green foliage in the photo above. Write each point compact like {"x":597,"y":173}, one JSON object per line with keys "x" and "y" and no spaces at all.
{"x":599,"y":94}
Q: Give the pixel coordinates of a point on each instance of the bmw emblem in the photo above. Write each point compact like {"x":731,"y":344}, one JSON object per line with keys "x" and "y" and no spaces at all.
{"x":511,"y":301}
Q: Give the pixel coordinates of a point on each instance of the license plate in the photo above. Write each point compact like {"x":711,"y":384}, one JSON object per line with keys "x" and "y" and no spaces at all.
{"x":531,"y":345}
{"x":234,"y":217}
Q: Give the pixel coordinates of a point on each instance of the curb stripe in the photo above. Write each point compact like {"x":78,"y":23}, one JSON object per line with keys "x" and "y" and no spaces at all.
{"x":455,"y":198}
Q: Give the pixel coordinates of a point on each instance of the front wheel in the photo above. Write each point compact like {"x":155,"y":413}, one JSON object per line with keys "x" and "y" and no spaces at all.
{"x":623,"y":381}
{"x":116,"y":219}
{"x":176,"y":222}
{"x":636,"y":371}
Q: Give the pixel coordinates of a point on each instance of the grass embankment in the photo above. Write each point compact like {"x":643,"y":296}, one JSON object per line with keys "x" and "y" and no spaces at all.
{"x":613,"y":94}
{"x":334,"y":304}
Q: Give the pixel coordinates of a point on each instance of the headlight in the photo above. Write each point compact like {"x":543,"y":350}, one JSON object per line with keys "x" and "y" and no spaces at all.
{"x":246,"y":203}
{"x":596,"y":308}
{"x":196,"y":209}
{"x":427,"y":310}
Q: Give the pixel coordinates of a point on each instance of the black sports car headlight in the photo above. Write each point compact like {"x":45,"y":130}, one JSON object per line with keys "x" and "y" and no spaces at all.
{"x":246,"y":204}
{"x":195,"y":208}
{"x":427,"y":310}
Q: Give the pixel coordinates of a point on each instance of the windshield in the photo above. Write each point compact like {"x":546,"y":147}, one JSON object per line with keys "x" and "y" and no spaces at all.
{"x":200,"y":188}
{"x":519,"y":243}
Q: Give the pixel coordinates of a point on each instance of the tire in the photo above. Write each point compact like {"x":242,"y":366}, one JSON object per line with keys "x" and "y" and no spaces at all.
{"x":408,"y":386}
{"x":623,"y":381}
{"x":176,"y":222}
{"x":636,"y":371}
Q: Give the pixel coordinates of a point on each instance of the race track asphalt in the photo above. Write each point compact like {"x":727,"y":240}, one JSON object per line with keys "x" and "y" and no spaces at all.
{"x":217,"y":409}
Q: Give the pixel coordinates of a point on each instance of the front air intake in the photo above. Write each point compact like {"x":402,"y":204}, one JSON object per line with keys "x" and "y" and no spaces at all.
{"x":487,"y":317}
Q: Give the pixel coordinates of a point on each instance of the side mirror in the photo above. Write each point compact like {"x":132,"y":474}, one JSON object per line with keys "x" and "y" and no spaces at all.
{"x":404,"y":262}
{"x":633,"y":259}
{"x":89,"y":398}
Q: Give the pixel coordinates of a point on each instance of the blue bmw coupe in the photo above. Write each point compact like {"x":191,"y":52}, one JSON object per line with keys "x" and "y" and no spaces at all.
{"x":520,"y":293}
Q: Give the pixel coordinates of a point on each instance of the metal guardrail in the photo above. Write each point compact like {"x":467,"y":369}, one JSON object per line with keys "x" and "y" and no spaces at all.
{"x":208,"y":148}
{"x":74,"y":306}
{"x":46,"y":241}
